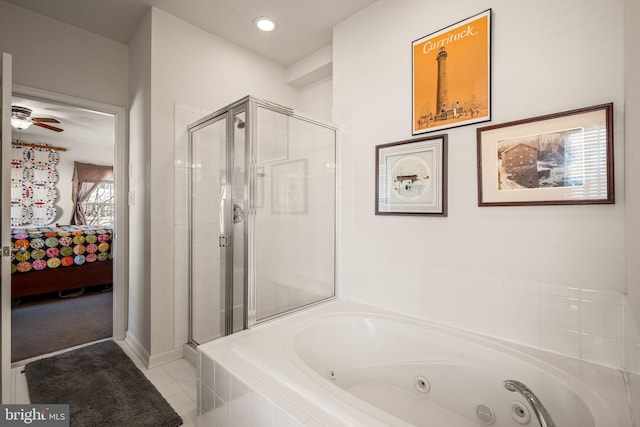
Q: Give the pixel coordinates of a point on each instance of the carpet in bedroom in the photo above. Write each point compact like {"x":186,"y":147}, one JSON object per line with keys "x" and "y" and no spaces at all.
{"x":102,"y":386}
{"x":44,"y":325}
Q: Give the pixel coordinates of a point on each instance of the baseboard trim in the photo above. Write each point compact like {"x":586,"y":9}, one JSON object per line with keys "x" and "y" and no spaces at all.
{"x":167,"y":356}
{"x":151,"y":361}
{"x":138,"y":349}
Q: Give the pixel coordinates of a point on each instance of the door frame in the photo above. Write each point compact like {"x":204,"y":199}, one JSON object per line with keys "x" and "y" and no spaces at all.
{"x":5,"y":225}
{"x":121,"y":223}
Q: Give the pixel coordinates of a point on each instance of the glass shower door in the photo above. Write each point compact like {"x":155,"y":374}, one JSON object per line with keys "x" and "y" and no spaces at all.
{"x":262,"y":219}
{"x":294,"y":218}
{"x":210,"y":198}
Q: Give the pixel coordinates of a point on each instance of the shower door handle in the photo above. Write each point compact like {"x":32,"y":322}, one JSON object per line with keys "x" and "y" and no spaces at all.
{"x":221,"y":211}
{"x":238,"y":213}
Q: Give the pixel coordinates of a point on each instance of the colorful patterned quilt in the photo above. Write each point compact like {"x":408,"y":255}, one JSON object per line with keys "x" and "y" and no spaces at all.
{"x":62,"y":246}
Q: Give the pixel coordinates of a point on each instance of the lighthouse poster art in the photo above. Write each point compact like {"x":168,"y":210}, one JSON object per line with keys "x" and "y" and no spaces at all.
{"x":451,"y":75}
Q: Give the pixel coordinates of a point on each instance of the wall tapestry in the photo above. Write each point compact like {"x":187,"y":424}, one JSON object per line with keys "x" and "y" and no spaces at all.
{"x":34,"y":175}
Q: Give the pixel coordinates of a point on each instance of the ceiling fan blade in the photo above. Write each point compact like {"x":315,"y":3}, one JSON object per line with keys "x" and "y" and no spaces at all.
{"x":42,"y":125}
{"x":44,"y":120}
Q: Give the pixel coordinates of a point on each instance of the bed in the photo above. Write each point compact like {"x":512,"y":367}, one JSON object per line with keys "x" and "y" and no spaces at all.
{"x":60,"y":258}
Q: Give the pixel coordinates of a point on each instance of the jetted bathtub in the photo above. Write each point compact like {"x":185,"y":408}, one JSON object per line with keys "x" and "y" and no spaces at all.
{"x":348,"y":364}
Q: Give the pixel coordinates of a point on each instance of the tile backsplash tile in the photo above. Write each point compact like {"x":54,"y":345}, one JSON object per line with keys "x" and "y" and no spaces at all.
{"x":602,"y":350}
{"x":560,"y":312}
{"x":561,"y":291}
{"x":523,"y":305}
{"x":603,"y":319}
{"x":632,"y":357}
{"x":582,"y":323}
{"x":593,"y":325}
{"x":560,"y":340}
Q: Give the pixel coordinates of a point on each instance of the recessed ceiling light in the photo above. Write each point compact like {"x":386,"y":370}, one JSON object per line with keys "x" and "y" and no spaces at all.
{"x":264,"y":23}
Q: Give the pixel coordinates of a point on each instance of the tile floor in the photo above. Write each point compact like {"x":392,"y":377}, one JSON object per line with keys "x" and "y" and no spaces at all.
{"x":175,"y":380}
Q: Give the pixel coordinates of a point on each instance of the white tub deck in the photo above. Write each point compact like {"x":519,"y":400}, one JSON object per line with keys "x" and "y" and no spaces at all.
{"x":275,"y":375}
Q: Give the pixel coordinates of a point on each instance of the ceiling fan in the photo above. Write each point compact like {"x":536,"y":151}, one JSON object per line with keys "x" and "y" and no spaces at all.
{"x":21,"y":119}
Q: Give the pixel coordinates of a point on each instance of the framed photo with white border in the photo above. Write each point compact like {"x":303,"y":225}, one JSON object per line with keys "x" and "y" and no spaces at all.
{"x":411,"y":177}
{"x":558,"y":159}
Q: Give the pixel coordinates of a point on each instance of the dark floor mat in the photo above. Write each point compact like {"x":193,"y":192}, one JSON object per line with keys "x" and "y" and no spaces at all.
{"x":102,"y":386}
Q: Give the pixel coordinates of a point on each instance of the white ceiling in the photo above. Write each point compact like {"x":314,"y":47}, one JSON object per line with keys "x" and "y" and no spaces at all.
{"x":80,"y":126}
{"x":304,"y":26}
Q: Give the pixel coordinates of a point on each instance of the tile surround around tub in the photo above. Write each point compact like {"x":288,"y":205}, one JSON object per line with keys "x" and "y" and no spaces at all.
{"x":586,"y":324}
{"x":232,"y":397}
{"x":597,"y":326}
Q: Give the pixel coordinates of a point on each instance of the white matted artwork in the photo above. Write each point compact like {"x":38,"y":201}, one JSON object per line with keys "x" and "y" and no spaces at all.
{"x":411,"y":177}
{"x":560,"y":158}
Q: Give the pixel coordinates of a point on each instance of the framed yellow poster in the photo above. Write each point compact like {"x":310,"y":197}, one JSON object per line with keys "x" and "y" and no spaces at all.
{"x":452,"y":76}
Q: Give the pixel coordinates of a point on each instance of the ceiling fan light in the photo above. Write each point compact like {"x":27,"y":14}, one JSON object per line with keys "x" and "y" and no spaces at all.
{"x":20,"y":117}
{"x":19,"y":122}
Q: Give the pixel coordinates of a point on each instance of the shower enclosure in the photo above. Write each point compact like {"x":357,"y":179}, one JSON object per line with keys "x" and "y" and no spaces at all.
{"x":262,"y":216}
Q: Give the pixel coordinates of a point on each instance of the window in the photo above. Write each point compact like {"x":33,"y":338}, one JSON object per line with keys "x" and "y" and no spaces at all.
{"x":92,"y":194}
{"x":98,"y":207}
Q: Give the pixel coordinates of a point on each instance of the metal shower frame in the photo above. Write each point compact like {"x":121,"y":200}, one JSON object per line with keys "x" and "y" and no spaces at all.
{"x":249,"y":105}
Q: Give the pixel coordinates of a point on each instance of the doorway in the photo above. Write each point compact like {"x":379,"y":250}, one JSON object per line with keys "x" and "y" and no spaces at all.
{"x":92,"y":133}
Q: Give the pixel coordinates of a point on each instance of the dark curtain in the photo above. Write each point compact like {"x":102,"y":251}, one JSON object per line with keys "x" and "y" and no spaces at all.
{"x":86,"y":177}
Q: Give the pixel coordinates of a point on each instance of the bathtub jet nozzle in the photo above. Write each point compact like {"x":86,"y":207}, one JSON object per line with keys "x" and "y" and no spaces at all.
{"x":538,"y":408}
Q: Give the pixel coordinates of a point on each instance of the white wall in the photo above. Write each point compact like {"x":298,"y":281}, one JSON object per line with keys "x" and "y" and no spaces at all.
{"x":316,"y":100}
{"x":139,"y":331}
{"x":192,"y":68}
{"x":549,"y":284}
{"x":632,"y":156}
{"x":632,"y":179}
{"x":51,"y":55}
